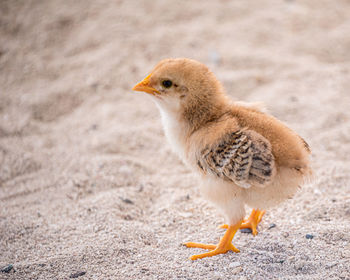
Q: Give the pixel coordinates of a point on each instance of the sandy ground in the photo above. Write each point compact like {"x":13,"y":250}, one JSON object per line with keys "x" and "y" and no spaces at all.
{"x":88,"y":183}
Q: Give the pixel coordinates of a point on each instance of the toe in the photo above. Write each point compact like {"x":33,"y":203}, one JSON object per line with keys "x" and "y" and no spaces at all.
{"x":234,"y":249}
{"x":200,"y":245}
{"x":215,"y":252}
{"x":260,"y":216}
{"x":225,"y":226}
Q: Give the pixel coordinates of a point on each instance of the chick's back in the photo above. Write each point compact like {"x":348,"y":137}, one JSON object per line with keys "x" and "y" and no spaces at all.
{"x":288,"y":148}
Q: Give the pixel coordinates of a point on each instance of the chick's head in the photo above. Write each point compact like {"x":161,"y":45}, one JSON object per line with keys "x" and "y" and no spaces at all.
{"x":182,"y":85}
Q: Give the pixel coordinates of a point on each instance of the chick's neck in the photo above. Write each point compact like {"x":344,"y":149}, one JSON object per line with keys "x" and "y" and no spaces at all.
{"x":204,"y":111}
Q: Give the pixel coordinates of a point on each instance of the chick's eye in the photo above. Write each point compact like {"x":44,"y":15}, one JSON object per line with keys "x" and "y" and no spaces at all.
{"x":167,"y":83}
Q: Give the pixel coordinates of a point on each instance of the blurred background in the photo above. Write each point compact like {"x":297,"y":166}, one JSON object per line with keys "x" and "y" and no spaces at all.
{"x":88,"y":183}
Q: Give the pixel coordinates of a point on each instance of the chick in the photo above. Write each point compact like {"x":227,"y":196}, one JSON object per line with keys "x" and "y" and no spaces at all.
{"x":242,"y":155}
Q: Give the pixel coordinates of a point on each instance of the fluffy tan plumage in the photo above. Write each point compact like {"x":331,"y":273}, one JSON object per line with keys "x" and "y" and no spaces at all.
{"x":243,"y":155}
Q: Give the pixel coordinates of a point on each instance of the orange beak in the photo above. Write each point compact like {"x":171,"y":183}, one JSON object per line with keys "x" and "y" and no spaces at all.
{"x":144,"y":86}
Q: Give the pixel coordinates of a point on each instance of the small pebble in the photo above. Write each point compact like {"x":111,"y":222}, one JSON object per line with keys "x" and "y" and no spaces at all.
{"x":126,"y":200}
{"x":285,"y":234}
{"x":237,"y":270}
{"x":128,"y":218}
{"x":218,"y":274}
{"x":330,"y":265}
{"x":214,"y":57}
{"x":293,"y":98}
{"x":144,"y":270}
{"x":246,"y":230}
{"x":309,"y":236}
{"x":7,"y":268}
{"x":234,"y":264}
{"x":77,"y":274}
{"x":271,"y":226}
{"x":94,"y":127}
{"x":185,"y":215}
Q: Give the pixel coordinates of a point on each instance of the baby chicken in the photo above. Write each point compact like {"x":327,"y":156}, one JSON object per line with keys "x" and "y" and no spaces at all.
{"x":242,"y":155}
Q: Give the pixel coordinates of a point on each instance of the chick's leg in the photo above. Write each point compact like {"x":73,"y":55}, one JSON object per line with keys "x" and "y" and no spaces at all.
{"x":252,"y":222}
{"x":223,"y":247}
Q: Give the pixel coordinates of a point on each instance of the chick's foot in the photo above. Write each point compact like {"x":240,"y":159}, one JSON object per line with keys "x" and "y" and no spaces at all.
{"x":223,"y":247}
{"x":252,"y":222}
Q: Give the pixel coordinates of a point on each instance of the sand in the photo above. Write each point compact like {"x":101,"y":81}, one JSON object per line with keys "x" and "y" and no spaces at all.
{"x":88,"y":183}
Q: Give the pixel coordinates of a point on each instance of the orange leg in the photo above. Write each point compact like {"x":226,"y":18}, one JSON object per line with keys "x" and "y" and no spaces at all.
{"x":252,"y":222}
{"x":223,"y":247}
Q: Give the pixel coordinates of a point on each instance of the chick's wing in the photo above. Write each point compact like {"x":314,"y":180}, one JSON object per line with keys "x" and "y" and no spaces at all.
{"x":243,"y":157}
